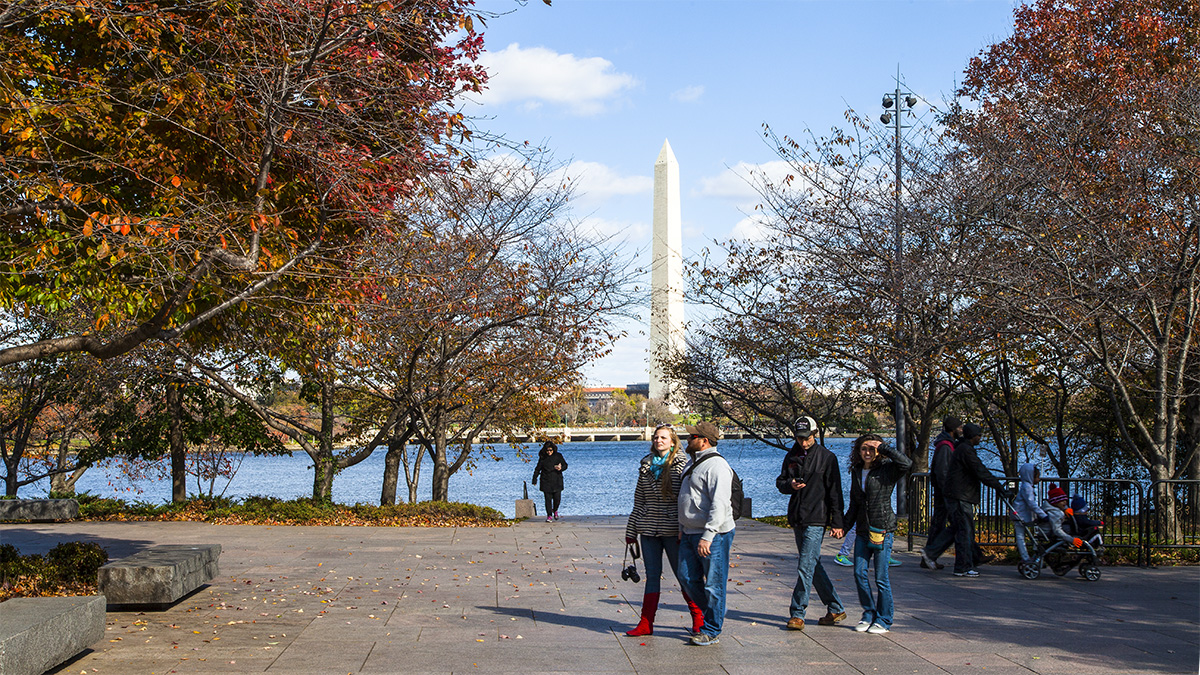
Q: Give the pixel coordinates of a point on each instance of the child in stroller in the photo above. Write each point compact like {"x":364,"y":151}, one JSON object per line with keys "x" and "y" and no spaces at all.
{"x":1059,"y":549}
{"x":1077,"y":524}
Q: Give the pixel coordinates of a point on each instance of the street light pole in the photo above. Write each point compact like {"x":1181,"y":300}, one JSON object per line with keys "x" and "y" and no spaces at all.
{"x":902,"y":100}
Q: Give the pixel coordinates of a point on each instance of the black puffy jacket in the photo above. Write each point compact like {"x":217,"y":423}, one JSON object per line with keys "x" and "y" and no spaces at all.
{"x":872,"y":507}
{"x":819,"y":502}
{"x":552,"y":479}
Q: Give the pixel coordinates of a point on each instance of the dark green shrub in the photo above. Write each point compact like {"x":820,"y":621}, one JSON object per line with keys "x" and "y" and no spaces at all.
{"x":77,"y":560}
{"x":8,"y":554}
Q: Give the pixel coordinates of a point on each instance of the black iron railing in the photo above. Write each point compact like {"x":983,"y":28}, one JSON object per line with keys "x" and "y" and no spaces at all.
{"x":1137,"y":518}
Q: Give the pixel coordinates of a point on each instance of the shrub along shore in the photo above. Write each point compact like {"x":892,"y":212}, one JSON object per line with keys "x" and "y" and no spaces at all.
{"x":275,"y":511}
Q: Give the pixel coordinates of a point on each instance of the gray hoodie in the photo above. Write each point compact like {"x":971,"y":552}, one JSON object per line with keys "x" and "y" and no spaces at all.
{"x":1026,"y":502}
{"x":704,"y":497}
{"x":1056,"y":516}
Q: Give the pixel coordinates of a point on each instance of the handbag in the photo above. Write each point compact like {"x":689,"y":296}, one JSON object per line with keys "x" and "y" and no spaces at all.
{"x":875,"y":537}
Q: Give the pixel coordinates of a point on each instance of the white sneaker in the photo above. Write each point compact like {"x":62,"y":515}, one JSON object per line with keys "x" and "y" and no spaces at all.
{"x":863,"y":626}
{"x":876,"y":629}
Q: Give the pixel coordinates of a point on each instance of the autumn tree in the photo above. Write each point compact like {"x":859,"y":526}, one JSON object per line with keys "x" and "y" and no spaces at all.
{"x":820,"y":296}
{"x":144,"y":421}
{"x":314,"y":351}
{"x":49,"y":406}
{"x":488,"y":303}
{"x":1082,"y":130}
{"x":165,"y":162}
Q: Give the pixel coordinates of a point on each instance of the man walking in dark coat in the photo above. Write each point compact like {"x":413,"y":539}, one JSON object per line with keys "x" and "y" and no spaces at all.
{"x":939,"y":473}
{"x":963,"y":492}
{"x":810,"y":475}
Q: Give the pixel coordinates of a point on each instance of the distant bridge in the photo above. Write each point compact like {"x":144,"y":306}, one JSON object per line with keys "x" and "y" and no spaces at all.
{"x":589,"y":434}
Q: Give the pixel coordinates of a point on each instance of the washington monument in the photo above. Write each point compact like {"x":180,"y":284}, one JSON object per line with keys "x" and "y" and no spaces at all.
{"x":666,"y":273}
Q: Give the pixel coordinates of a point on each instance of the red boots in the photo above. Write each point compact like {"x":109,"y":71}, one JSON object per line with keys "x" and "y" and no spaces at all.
{"x":697,"y":614}
{"x":649,"y":609}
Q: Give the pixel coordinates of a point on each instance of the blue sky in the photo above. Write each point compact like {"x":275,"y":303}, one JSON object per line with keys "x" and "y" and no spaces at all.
{"x":603,"y":83}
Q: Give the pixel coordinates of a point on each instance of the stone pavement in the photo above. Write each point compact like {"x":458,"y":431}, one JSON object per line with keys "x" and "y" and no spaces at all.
{"x":547,"y":597}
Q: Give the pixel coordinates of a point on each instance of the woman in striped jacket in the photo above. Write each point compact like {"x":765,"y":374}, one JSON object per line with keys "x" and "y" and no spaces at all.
{"x":655,"y":518}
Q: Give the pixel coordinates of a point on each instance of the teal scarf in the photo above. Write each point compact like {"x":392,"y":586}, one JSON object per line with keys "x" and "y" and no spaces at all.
{"x":656,"y":465}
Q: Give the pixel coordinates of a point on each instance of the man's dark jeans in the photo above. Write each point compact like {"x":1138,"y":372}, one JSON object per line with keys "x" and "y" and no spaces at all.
{"x":937,"y":523}
{"x":961,"y":533}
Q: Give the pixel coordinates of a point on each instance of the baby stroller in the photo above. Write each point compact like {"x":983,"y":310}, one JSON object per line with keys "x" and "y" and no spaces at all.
{"x":1061,"y":556}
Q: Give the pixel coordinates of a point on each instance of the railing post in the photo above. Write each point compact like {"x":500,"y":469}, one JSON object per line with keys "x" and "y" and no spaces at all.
{"x":911,"y":498}
{"x":1144,"y":555}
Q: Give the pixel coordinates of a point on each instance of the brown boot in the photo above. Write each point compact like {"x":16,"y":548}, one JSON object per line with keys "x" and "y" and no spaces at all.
{"x":697,"y":614}
{"x":649,"y":609}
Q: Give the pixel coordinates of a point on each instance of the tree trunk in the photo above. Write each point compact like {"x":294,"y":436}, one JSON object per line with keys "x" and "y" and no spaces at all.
{"x":323,"y":470}
{"x":325,"y":466}
{"x":412,"y":474}
{"x":58,"y":481}
{"x":391,"y":471}
{"x":10,"y":478}
{"x":175,"y":438}
{"x":441,"y":470}
{"x":1166,"y":525}
{"x":12,"y":460}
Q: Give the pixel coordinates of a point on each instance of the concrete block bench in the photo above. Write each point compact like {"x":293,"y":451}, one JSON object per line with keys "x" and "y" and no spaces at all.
{"x":160,"y":575}
{"x":39,"y":510}
{"x":37,"y":634}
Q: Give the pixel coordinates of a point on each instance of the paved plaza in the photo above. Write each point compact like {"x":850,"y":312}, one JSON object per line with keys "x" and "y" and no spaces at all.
{"x":548,"y":597}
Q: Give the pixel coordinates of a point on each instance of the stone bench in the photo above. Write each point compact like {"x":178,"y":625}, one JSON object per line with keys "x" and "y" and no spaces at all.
{"x":160,"y":575}
{"x":37,"y":634}
{"x":39,"y":510}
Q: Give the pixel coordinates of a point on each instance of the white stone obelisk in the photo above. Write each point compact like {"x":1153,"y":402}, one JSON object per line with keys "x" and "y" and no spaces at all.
{"x":666,"y":272}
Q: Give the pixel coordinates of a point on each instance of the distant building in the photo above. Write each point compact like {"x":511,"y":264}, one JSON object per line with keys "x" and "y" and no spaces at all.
{"x":638,"y":389}
{"x":599,"y":399}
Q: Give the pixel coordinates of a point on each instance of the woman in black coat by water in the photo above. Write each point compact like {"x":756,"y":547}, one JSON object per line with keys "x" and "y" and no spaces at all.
{"x":549,"y":468}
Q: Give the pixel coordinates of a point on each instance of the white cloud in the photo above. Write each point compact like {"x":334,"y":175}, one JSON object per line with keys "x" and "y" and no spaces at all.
{"x":537,"y":75}
{"x":595,"y":182}
{"x":689,"y":94}
{"x":750,"y":228}
{"x":737,"y":183}
{"x":622,"y":231}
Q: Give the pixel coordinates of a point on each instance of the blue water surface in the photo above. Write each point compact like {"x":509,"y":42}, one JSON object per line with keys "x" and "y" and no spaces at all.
{"x":599,"y":479}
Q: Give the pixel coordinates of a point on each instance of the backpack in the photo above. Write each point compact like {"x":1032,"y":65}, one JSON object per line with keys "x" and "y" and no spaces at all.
{"x":736,"y":494}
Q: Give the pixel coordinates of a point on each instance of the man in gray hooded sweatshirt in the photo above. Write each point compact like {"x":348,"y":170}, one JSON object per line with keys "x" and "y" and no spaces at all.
{"x":706,"y":528}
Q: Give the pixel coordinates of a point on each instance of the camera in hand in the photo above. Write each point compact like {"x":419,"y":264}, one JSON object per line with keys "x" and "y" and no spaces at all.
{"x":631,"y":574}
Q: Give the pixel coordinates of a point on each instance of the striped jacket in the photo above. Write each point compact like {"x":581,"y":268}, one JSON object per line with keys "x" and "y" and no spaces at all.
{"x":653,"y":514}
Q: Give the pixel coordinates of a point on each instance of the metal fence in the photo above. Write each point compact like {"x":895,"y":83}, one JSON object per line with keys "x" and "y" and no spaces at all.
{"x":1177,"y":526}
{"x":1131,"y":520}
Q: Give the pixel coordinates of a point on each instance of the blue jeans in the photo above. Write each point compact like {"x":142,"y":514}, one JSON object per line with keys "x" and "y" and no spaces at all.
{"x":705,"y":579}
{"x":1019,"y":534}
{"x":875,"y":610}
{"x":811,"y":573}
{"x":652,"y":553}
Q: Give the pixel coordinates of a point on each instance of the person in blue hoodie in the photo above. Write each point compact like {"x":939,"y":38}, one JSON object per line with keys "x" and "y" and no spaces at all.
{"x":1026,"y":505}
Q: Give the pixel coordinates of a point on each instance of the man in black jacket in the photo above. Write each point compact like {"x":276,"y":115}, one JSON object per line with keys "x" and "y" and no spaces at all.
{"x":962,"y":490}
{"x":810,"y":475}
{"x":939,"y":473}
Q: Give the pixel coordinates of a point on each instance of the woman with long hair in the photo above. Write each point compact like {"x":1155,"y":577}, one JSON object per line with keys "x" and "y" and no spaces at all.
{"x":550,"y":467}
{"x":875,"y":468}
{"x":655,"y":519}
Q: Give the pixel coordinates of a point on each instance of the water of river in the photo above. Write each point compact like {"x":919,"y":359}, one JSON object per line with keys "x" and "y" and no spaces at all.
{"x":599,"y":479}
